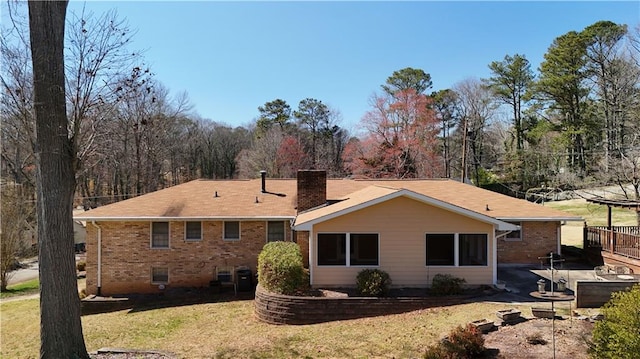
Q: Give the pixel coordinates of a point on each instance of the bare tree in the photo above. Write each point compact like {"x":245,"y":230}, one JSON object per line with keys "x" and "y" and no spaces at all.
{"x":60,"y":325}
{"x":17,"y":216}
{"x":476,"y":108}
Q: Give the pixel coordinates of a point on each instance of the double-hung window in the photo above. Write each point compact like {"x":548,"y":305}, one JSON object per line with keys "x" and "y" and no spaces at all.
{"x":275,"y":231}
{"x":231,"y":230}
{"x":348,"y":249}
{"x":193,"y":231}
{"x":159,"y":234}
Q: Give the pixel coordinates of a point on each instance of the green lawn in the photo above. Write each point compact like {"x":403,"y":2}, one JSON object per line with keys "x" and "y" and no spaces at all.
{"x":24,"y":288}
{"x":230,"y":330}
{"x":593,"y":214}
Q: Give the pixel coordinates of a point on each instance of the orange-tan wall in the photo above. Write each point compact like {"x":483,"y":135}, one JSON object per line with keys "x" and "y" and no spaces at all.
{"x":402,"y":224}
{"x":127,"y":257}
{"x":538,"y":240}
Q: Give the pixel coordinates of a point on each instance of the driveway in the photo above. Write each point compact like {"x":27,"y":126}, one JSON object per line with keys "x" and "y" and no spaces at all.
{"x":29,"y":272}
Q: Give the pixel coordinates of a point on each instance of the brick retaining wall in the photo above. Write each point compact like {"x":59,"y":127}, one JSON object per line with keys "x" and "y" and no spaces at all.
{"x":275,"y":308}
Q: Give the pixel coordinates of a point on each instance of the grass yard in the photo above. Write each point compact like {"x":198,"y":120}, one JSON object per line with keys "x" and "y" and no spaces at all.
{"x":229,"y":330}
{"x":24,"y":288}
{"x":594,"y":214}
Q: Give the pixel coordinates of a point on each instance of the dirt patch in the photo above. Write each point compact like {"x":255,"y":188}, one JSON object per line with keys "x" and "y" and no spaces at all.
{"x":533,"y":339}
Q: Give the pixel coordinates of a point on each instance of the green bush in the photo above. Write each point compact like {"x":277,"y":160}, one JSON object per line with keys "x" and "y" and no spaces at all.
{"x":446,"y":284}
{"x":81,"y":266}
{"x":618,"y":334}
{"x":373,"y":282}
{"x":280,"y":268}
{"x":461,"y":343}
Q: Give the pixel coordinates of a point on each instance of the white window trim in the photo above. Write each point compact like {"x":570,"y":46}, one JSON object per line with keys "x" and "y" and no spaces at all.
{"x":159,"y":282}
{"x":193,"y":239}
{"x":151,"y":235}
{"x":348,"y":250}
{"x":266,"y":235}
{"x":506,"y":239}
{"x":456,"y":250}
{"x":224,"y":223}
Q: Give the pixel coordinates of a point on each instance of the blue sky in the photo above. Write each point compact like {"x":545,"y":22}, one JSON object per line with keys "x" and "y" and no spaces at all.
{"x":231,"y":57}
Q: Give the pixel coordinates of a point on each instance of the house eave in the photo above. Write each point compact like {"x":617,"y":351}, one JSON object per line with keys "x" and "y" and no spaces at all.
{"x":185,"y":218}
{"x":499,"y":224}
{"x":541,"y":219}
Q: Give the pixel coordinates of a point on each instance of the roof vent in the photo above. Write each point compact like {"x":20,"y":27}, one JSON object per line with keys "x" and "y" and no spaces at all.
{"x":215,"y":195}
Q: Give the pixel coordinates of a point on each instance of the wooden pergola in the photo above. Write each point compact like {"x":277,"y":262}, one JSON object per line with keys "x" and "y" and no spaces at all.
{"x":617,"y":245}
{"x":620,"y":203}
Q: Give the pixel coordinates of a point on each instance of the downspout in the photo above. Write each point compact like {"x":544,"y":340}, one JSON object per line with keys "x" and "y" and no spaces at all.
{"x":495,"y":254}
{"x":311,"y":242}
{"x":99,"y":280}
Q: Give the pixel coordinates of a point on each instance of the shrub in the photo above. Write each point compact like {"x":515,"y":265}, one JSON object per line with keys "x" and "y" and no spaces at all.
{"x":81,"y":266}
{"x":465,"y":342}
{"x":436,"y":352}
{"x":373,"y":282}
{"x":461,"y":343}
{"x":446,"y":284}
{"x":280,"y":268}
{"x":616,"y":335}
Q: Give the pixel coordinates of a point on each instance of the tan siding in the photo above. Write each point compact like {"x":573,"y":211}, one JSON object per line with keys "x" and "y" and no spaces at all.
{"x":402,"y":224}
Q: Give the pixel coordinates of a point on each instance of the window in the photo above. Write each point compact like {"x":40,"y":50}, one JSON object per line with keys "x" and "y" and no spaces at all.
{"x":231,"y":231}
{"x":332,"y":249}
{"x":363,"y":249}
{"x":159,"y":275}
{"x":514,"y":235}
{"x":159,"y":234}
{"x":275,"y":231}
{"x":440,"y":249}
{"x":347,"y":249}
{"x":193,"y":231}
{"x":473,"y":249}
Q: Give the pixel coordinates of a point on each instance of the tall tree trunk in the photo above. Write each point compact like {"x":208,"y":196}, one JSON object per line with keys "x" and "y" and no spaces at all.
{"x":60,"y":325}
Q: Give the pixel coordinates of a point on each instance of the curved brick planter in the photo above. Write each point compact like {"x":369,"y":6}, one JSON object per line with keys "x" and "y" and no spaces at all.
{"x":285,"y":309}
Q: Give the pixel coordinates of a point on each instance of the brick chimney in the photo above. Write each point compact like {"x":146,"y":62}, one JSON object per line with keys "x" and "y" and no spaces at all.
{"x":312,"y":189}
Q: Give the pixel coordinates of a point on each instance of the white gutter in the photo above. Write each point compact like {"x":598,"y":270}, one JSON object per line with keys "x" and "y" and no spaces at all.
{"x":99,"y":280}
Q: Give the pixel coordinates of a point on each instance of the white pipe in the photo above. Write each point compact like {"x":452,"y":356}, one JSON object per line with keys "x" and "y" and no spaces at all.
{"x":99,"y":279}
{"x":311,"y":254}
{"x":494,"y":263}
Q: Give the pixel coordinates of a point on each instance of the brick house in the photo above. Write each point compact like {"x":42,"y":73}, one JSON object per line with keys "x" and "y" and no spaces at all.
{"x":184,"y":235}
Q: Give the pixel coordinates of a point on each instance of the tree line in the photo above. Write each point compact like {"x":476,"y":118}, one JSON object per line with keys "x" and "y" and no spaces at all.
{"x":574,"y":120}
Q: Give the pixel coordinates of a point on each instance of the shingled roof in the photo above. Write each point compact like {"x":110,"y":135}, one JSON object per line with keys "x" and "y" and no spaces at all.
{"x":244,"y":199}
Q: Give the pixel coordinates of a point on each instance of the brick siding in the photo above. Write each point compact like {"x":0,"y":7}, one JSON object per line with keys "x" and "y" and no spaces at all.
{"x":127,"y":256}
{"x":312,"y":189}
{"x":302,"y":238}
{"x":538,"y":240}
